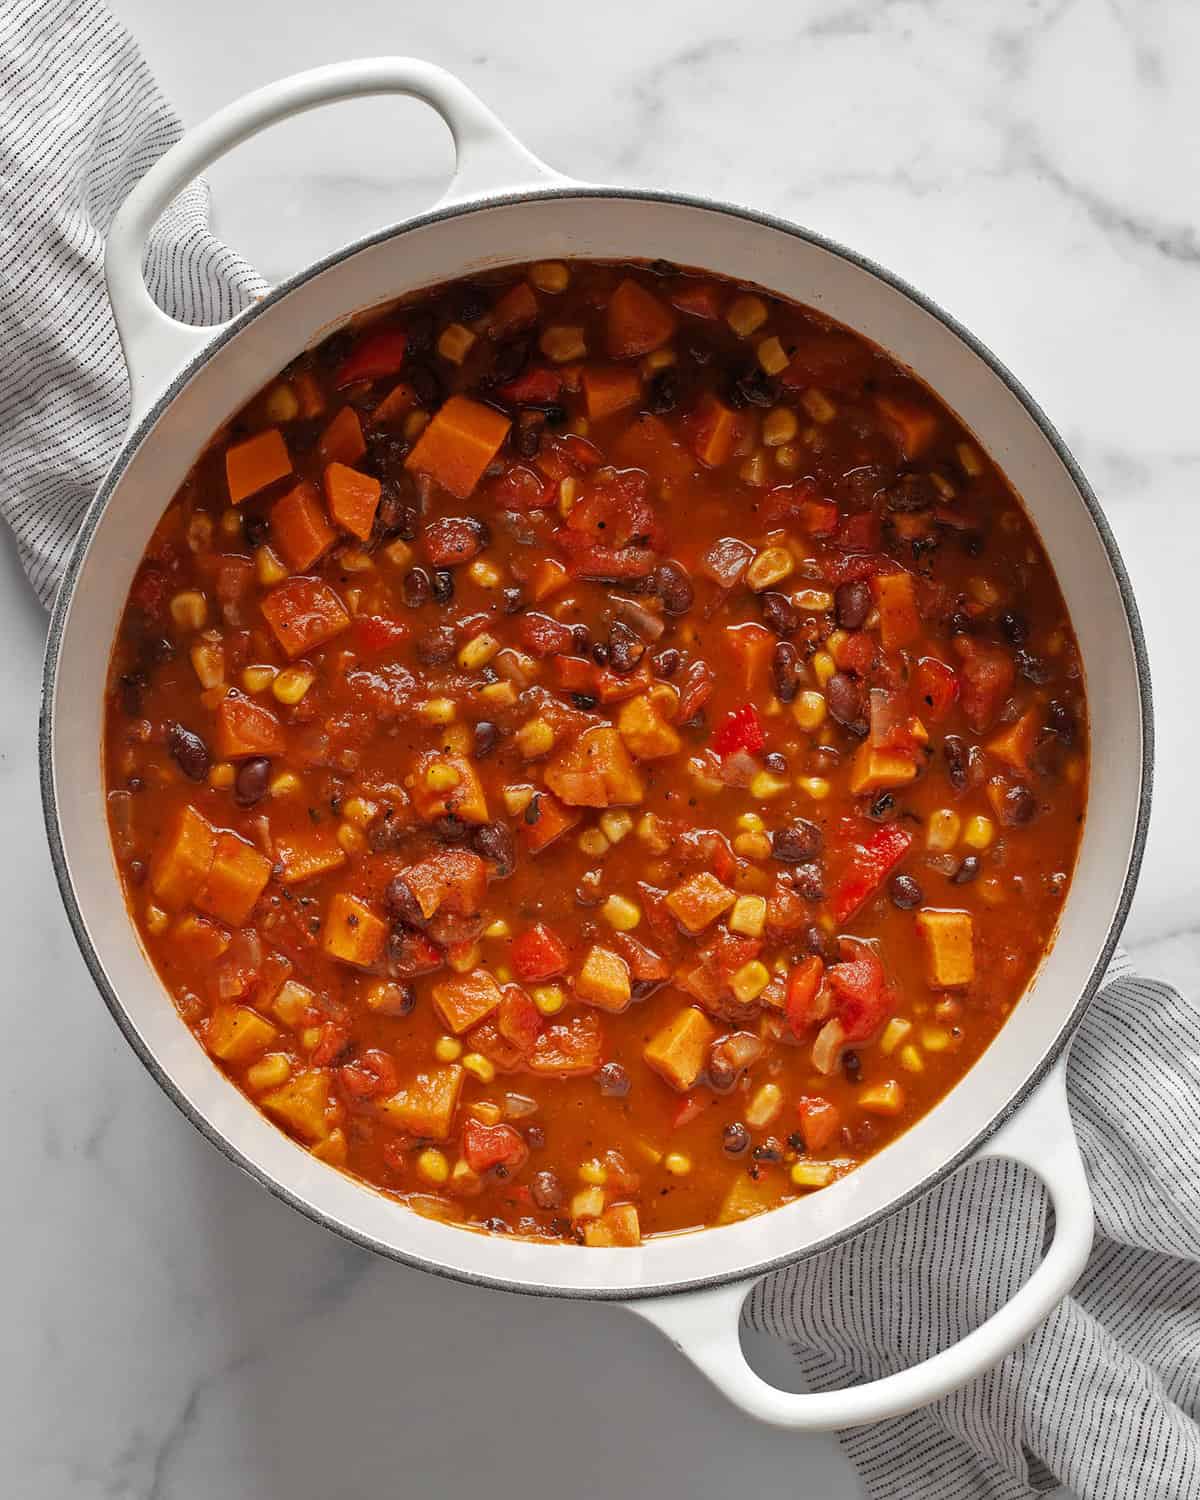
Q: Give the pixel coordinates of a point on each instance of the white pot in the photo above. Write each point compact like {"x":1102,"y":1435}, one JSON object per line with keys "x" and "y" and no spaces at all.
{"x":505,"y":206}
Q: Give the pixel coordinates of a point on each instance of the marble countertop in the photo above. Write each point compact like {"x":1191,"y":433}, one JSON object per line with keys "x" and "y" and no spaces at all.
{"x":171,"y":1330}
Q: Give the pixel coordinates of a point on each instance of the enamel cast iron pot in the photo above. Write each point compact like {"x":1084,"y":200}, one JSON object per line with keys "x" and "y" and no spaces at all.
{"x":505,"y":206}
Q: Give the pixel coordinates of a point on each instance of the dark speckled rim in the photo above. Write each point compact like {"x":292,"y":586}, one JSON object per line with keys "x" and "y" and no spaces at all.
{"x":230,"y":331}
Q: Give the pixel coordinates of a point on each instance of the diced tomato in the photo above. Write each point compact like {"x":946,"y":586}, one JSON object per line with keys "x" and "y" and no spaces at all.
{"x":862,"y":999}
{"x":740,"y":730}
{"x":857,"y":566}
{"x":538,"y":954}
{"x":644,"y":964}
{"x":410,"y":954}
{"x":334,"y":1040}
{"x":521,"y":489}
{"x":574,"y":674}
{"x":987,"y":675}
{"x":451,"y":540}
{"x":690,"y":1108}
{"x":819,"y":1122}
{"x":373,"y":1075}
{"x":487,"y":1146}
{"x":855,"y":652}
{"x":819,"y":517}
{"x":518,"y":1018}
{"x":570,"y":1048}
{"x":695,"y":689}
{"x":606,"y":562}
{"x":858,"y":533}
{"x":803,"y":985}
{"x":702,"y":299}
{"x":149,"y":592}
{"x":829,"y":359}
{"x":871,"y":864}
{"x":537,"y":386}
{"x":728,"y":952}
{"x":752,"y":647}
{"x":936,"y":687}
{"x":542,"y":635}
{"x":375,"y":355}
{"x":585,"y":455}
{"x":374,"y":633}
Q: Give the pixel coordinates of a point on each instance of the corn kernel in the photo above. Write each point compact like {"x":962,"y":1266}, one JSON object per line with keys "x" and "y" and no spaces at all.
{"x":1055,"y":643}
{"x":824,"y":667}
{"x":893,"y":1034}
{"x":765,"y":1105}
{"x":677,"y":1163}
{"x":589,"y":1204}
{"x":779,"y":426}
{"x":498,"y":695}
{"x":765,"y":786}
{"x":487,"y":575}
{"x":749,"y":916}
{"x":656,"y":360}
{"x":535,"y":738}
{"x":221,"y":775}
{"x":812,"y":1174}
{"x":972,"y":463}
{"x":788,"y":458}
{"x":562,"y":342}
{"x":593,"y":843}
{"x":257,"y":679}
{"x":947,"y":491}
{"x":942,"y":830}
{"x":310,"y":1038}
{"x":478,"y":652}
{"x":911,"y":1059}
{"x":462,"y":962}
{"x":549,"y":276}
{"x":189,"y":610}
{"x":516,"y":799}
{"x":992,"y":892}
{"x":593,"y":1172}
{"x":292,"y":683}
{"x":359,"y":811}
{"x":270,"y":1073}
{"x":200,"y":531}
{"x":549,"y":998}
{"x":486,"y":1111}
{"x":983,"y":591}
{"x":398,"y":553}
{"x":818,"y":405}
{"x":652,"y":832}
{"x":455,"y":342}
{"x":441,"y":777}
{"x":268,"y":568}
{"x":882,"y":1098}
{"x":480,"y":1067}
{"x":286,"y":784}
{"x":156,"y":920}
{"x":746,"y":314}
{"x":621,"y":914}
{"x":772,"y":357}
{"x":978,"y":832}
{"x":447,"y":1049}
{"x":616,"y":824}
{"x":808,"y":710}
{"x":439,"y":710}
{"x":750,"y":822}
{"x":415,"y":424}
{"x":432,"y":1165}
{"x":813,"y":601}
{"x":750,"y":981}
{"x":352,"y":840}
{"x":282,"y":404}
{"x":935,"y":1038}
{"x":231,"y":522}
{"x":497,"y":929}
{"x":752,"y":845}
{"x":568,"y":494}
{"x":771,"y":566}
{"x":817,"y":787}
{"x":208,"y":662}
{"x":754,"y":471}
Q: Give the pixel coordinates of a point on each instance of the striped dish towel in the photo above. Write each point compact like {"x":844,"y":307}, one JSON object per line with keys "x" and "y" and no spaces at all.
{"x":1103,"y":1397}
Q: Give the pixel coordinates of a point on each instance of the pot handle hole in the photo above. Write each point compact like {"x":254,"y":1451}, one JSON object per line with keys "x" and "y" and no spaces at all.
{"x":488,"y":160}
{"x":703,"y":1325}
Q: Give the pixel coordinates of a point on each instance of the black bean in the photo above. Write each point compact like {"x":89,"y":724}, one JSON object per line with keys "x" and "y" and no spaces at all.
{"x":449,"y":829}
{"x":250,"y":783}
{"x":735,"y":1139}
{"x":535,"y":1136}
{"x":132,"y":686}
{"x":699,"y":351}
{"x":642,"y":989}
{"x":779,"y":613}
{"x":808,"y":880}
{"x":955,"y":755}
{"x":967,"y":871}
{"x":495,"y":843}
{"x":155,"y":650}
{"x":796,"y":842}
{"x":1033,"y":668}
{"x":673,"y":585}
{"x":722,"y":1075}
{"x":883,"y":808}
{"x":1014,"y":627}
{"x":775,"y":762}
{"x":189,"y":751}
{"x":787,"y":670}
{"x":600,"y":653}
{"x":1061,"y":722}
{"x":663,"y":394}
{"x":667,"y":662}
{"x":546,"y":1190}
{"x":138,"y":870}
{"x":960,"y":622}
{"x":335,"y":348}
{"x":435,"y":647}
{"x":820,"y":943}
{"x":256,"y":529}
{"x":973,"y":542}
{"x":852,"y":1065}
{"x":613,"y":1080}
{"x":416,"y":588}
{"x":796,"y":1141}
{"x":402,"y":903}
{"x":419,"y":328}
{"x":443,"y":586}
{"x":581,"y":640}
{"x":510,"y":360}
{"x":584,"y":702}
{"x":1018,"y":806}
{"x":906,"y":893}
{"x":404,"y":1002}
{"x":754,"y":387}
{"x":911,"y":492}
{"x":530,"y":425}
{"x":512,"y":599}
{"x":625,"y":650}
{"x":847,"y":703}
{"x":425,"y":384}
{"x":770,"y":1150}
{"x":852,"y":604}
{"x":487,"y":736}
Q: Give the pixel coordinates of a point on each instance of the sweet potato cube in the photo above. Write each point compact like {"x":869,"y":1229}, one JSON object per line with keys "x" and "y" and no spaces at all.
{"x":447,"y":786}
{"x":237,"y":1034}
{"x":646,"y":442}
{"x":458,"y":444}
{"x":306,"y":856}
{"x":549,"y":821}
{"x":873,"y":769}
{"x":453,"y":880}
{"x":645,"y":732}
{"x":342,"y":441}
{"x":679,"y":1051}
{"x":256,"y":463}
{"x":397,"y":404}
{"x":637,"y":321}
{"x":304,"y":613}
{"x":699,"y":900}
{"x":353,"y":499}
{"x":1014,"y":744}
{"x":516,"y":308}
{"x":949,"y":938}
{"x":746,"y":1198}
{"x":617,"y":1225}
{"x":426,"y":1107}
{"x":912,"y":427}
{"x":595,"y":771}
{"x":610,"y":388}
{"x":463,"y":1000}
{"x":236,"y":879}
{"x":603,"y":981}
{"x":899,"y":622}
{"x":246,"y":728}
{"x":182,"y":864}
{"x":715,"y":428}
{"x":352,"y":932}
{"x":299,"y":529}
{"x":300,"y":1104}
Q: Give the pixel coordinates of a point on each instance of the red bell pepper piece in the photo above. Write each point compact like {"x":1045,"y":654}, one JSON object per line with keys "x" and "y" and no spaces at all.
{"x":370,"y":1076}
{"x":486,"y":1146}
{"x":538,"y":386}
{"x":804,"y":983}
{"x":870,"y":866}
{"x":377,"y":633}
{"x":740,"y":731}
{"x":936,"y":687}
{"x":375,"y":355}
{"x":538,"y":954}
{"x":863,"y":1000}
{"x":518,"y":1019}
{"x":819,"y":1120}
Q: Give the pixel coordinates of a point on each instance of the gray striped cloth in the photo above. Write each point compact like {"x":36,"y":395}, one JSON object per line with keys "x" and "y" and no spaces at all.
{"x":1104,"y":1396}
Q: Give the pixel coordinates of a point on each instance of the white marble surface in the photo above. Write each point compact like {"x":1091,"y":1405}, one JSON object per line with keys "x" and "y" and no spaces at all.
{"x":171,"y":1331}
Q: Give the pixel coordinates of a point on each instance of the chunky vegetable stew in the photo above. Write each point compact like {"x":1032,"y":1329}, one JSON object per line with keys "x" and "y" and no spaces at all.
{"x":595,"y":751}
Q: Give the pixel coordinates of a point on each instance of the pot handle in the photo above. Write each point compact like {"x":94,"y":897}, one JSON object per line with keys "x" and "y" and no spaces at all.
{"x":704,"y":1325}
{"x":488,"y":159}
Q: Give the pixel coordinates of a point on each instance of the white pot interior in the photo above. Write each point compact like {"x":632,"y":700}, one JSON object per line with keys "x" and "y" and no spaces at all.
{"x":599,"y":226}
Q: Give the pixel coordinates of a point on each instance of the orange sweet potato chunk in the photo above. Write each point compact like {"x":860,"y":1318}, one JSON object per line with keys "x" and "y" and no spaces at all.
{"x":398,"y":402}
{"x":303,"y":613}
{"x":913,"y":427}
{"x":352,"y":932}
{"x":300,"y":1104}
{"x":182,"y":864}
{"x":463,"y":1000}
{"x":715,"y":428}
{"x":610,"y":388}
{"x":899,"y":622}
{"x":299,"y":529}
{"x":461,"y":797}
{"x":458,"y":444}
{"x":595,"y":771}
{"x":237,"y":1034}
{"x":353,"y":499}
{"x":305,"y":857}
{"x":256,"y":463}
{"x":236,"y":879}
{"x":342,"y":441}
{"x":550,"y":820}
{"x":246,"y":728}
{"x":426,"y":1107}
{"x":637,"y":321}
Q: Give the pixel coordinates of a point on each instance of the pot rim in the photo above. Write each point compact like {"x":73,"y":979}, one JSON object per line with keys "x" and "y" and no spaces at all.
{"x":224,"y":334}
